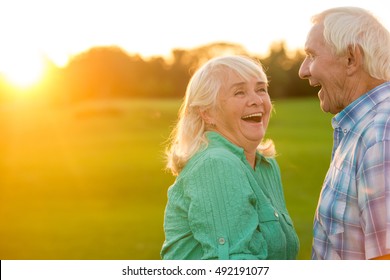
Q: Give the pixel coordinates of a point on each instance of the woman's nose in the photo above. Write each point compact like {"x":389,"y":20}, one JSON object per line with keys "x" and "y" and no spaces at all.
{"x":256,"y":99}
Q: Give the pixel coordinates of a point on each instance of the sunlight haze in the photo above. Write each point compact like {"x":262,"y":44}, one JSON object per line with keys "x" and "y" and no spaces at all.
{"x":34,"y":31}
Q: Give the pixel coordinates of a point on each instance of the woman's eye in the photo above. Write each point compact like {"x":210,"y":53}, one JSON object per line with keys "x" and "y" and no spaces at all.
{"x":262,"y":90}
{"x":239,"y":93}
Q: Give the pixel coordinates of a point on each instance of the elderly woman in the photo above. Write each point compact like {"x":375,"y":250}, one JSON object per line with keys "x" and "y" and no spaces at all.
{"x":227,"y":201}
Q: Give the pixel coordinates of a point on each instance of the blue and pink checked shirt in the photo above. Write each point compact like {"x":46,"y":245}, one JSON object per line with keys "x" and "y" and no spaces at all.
{"x":352,"y":219}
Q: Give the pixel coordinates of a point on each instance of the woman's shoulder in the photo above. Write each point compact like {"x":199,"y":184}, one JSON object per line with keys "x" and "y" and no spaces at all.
{"x":216,"y":158}
{"x":218,"y":154}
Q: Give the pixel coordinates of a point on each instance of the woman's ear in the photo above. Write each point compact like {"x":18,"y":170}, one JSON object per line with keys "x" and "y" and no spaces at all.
{"x":354,"y":59}
{"x":206,"y":116}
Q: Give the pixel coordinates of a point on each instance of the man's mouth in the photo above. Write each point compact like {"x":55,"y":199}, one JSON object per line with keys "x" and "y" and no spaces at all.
{"x":255,"y":118}
{"x":316,"y":85}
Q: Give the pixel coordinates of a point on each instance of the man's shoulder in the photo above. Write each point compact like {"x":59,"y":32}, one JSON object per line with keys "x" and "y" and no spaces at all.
{"x":377,"y":127}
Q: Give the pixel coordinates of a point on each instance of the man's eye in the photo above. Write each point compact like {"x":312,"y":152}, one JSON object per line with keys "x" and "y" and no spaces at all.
{"x":310,"y":56}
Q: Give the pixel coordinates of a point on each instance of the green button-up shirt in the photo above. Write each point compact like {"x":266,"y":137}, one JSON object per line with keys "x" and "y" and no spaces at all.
{"x":221,"y":208}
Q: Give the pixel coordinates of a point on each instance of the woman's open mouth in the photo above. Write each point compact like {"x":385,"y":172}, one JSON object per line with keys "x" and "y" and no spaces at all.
{"x":254,"y":118}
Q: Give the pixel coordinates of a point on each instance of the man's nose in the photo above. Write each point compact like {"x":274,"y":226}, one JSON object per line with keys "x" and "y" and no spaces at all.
{"x":304,"y":72}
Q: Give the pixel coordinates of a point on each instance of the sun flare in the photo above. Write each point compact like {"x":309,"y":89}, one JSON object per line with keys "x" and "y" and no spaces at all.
{"x":22,"y":71}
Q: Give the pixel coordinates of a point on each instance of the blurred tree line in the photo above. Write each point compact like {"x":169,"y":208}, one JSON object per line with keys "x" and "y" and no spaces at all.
{"x":109,"y":72}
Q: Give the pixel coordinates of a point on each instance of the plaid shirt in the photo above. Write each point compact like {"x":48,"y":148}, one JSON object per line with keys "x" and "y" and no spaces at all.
{"x":352,"y":219}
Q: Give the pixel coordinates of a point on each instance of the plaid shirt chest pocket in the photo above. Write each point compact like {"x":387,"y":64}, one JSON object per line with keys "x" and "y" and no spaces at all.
{"x":334,"y":195}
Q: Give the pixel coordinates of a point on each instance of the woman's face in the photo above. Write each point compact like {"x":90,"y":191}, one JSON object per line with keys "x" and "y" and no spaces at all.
{"x":243,"y":110}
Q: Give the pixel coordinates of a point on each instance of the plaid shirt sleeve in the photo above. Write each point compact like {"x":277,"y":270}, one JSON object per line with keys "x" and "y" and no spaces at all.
{"x":374,"y":198}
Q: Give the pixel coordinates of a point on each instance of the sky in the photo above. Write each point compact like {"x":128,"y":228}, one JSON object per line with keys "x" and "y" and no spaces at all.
{"x":31,"y":30}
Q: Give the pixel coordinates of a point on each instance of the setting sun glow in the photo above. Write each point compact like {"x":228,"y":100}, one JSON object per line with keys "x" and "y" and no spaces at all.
{"x":23,"y":71}
{"x":62,"y":29}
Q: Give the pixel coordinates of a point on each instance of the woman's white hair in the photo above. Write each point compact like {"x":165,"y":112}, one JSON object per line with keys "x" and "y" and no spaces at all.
{"x":346,"y":27}
{"x":188,"y":137}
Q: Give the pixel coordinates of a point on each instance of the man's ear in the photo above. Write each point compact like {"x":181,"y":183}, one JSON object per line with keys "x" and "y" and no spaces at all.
{"x":354,"y":59}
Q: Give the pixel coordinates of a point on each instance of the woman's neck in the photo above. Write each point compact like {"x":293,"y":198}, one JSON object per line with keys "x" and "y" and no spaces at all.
{"x":251,"y":158}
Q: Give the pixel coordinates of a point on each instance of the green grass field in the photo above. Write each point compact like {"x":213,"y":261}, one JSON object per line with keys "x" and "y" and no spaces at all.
{"x":87,"y":182}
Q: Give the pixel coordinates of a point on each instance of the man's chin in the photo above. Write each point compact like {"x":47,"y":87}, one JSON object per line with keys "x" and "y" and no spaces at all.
{"x":324,"y":106}
{"x":326,"y":109}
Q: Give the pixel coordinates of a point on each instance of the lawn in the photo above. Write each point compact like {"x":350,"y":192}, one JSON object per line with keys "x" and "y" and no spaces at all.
{"x":88,"y":181}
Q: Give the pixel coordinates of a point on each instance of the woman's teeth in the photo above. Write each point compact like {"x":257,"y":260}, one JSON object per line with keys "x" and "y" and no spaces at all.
{"x":257,"y":117}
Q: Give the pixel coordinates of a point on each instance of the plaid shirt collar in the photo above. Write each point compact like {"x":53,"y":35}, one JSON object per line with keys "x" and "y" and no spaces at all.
{"x":346,"y":119}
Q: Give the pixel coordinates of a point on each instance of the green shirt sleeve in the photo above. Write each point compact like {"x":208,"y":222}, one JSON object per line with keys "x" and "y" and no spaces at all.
{"x":222,"y":209}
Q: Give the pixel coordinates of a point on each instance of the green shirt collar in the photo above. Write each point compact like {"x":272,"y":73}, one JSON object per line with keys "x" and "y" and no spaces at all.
{"x":217,"y":140}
